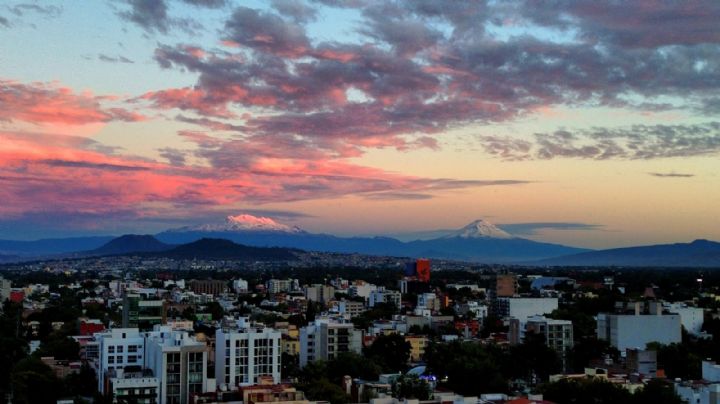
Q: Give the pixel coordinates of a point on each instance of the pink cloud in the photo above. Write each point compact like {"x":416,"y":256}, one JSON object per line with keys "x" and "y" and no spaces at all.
{"x":49,"y":103}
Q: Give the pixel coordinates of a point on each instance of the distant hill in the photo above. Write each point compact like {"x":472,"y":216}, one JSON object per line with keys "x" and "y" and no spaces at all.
{"x":699,"y":253}
{"x":52,"y":245}
{"x":479,"y":241}
{"x":208,"y":248}
{"x":8,"y":258}
{"x":490,"y":250}
{"x":131,"y":243}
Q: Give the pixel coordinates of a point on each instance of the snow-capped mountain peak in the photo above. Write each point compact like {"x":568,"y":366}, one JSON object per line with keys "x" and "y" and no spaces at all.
{"x":480,"y":229}
{"x":246,"y":222}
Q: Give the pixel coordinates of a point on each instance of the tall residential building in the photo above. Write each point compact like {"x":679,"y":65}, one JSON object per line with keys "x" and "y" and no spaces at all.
{"x":118,"y":348}
{"x":326,"y":338}
{"x":244,"y":353}
{"x":179,"y":361}
{"x":176,"y":363}
{"x":319,"y":293}
{"x":141,"y":313}
{"x":558,"y":333}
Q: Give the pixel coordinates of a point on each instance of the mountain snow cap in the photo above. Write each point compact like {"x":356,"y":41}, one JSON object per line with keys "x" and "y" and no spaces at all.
{"x":481,"y":229}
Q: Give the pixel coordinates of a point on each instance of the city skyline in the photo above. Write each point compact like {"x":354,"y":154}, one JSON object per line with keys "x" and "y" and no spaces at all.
{"x":583,"y":123}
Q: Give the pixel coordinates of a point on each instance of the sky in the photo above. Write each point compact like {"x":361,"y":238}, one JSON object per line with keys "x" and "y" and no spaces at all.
{"x":593,"y":124}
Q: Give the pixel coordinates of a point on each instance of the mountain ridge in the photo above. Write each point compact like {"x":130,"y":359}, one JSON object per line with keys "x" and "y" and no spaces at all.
{"x":479,"y":241}
{"x":697,"y":253}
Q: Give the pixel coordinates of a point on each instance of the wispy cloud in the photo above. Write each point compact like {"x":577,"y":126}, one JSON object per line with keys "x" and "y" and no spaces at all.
{"x":532,"y":228}
{"x":114,"y":59}
{"x":671,"y":175}
{"x":635,"y":142}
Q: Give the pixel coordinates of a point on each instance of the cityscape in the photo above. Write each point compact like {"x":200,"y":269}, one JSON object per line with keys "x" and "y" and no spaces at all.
{"x":359,"y":201}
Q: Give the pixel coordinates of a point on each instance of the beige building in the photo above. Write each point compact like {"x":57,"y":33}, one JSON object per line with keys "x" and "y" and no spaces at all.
{"x":417,"y":346}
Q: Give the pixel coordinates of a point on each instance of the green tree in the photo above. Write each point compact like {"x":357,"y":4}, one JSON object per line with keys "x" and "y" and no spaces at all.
{"x":392,"y":352}
{"x":324,"y":390}
{"x":215,"y":310}
{"x":584,"y":325}
{"x":533,"y":359}
{"x":657,"y":392}
{"x":353,"y":365}
{"x":588,"y":349}
{"x":411,"y":387}
{"x":466,"y":367}
{"x":678,"y":360}
{"x":189,"y":314}
{"x":290,"y":365}
{"x":381,"y":311}
{"x":59,"y":347}
{"x":34,"y":382}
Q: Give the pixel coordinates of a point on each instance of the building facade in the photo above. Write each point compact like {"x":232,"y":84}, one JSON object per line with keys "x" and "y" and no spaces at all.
{"x":326,"y":338}
{"x":244,"y":353}
{"x":625,"y":331}
{"x":179,"y":361}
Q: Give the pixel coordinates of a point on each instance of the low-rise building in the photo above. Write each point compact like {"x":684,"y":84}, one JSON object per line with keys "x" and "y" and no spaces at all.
{"x":139,"y":386}
{"x":636,"y":330}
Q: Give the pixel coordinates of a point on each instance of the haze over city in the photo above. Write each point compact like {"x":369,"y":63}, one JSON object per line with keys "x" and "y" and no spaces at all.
{"x":588,"y":124}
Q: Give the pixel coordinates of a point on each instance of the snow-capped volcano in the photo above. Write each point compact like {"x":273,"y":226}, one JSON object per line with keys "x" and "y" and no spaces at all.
{"x":245,"y":222}
{"x":480,"y":229}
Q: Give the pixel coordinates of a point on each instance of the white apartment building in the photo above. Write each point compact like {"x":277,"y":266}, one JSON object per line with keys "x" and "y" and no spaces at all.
{"x":140,"y":387}
{"x":362,"y":289}
{"x":523,"y":308}
{"x":326,"y":338}
{"x":245,"y":352}
{"x":117,"y":348}
{"x":692,"y":318}
{"x":382,"y":295}
{"x":558,"y":333}
{"x":625,"y":331}
{"x":240,"y":285}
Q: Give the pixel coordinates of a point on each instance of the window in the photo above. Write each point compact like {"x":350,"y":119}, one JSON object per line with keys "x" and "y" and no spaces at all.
{"x":132,"y":359}
{"x":111,"y":359}
{"x":132,"y":348}
{"x":111,"y":349}
{"x":120,"y":349}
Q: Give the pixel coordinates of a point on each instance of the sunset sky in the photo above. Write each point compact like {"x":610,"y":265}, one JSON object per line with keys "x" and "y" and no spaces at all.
{"x":580,"y":122}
